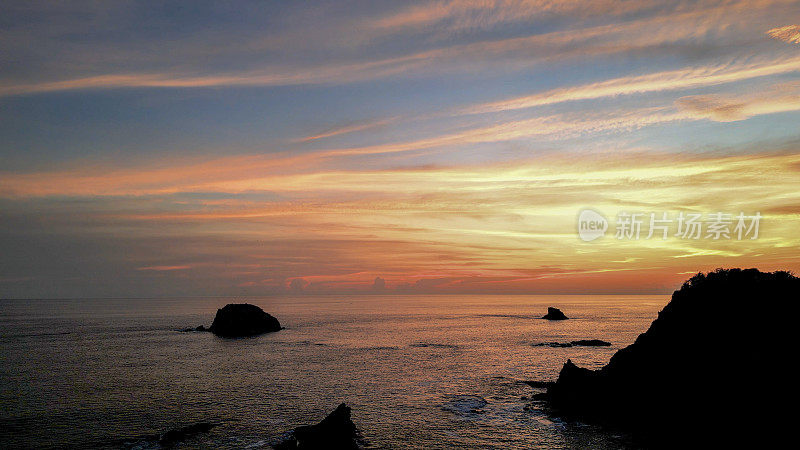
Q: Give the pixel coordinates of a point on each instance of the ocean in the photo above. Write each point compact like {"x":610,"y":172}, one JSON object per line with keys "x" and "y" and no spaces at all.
{"x":439,"y":371}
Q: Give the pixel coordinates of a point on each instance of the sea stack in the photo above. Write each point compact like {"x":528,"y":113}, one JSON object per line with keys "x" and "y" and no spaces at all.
{"x":554,"y":314}
{"x":242,"y":320}
{"x":337,"y":431}
{"x":703,"y":363}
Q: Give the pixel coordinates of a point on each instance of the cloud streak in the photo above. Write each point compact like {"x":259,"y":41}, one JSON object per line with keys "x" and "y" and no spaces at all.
{"x":656,"y":82}
{"x":516,"y":53}
{"x":497,"y":228}
{"x":433,"y":147}
{"x":352,"y":128}
{"x":782,"y":98}
{"x":245,"y":173}
{"x":789,"y":33}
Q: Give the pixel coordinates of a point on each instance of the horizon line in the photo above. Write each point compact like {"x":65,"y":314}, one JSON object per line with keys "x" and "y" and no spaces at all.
{"x":331,"y":294}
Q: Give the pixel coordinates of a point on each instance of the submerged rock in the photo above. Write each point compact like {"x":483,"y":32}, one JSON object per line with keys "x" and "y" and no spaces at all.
{"x":553,"y":344}
{"x":336,"y":431}
{"x":554,"y":314}
{"x":241,"y":320}
{"x":682,"y":380}
{"x":177,"y":435}
{"x":590,"y":343}
{"x":539,"y":384}
{"x":466,"y":405}
{"x":578,"y":343}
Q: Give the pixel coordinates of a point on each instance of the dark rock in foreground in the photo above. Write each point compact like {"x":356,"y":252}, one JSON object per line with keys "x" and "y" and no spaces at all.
{"x":578,"y":343}
{"x":337,"y":431}
{"x":704,"y":372}
{"x":177,"y":435}
{"x":241,"y":320}
{"x":554,"y":314}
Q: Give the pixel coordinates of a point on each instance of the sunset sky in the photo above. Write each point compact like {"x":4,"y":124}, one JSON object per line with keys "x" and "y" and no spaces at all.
{"x":259,"y":148}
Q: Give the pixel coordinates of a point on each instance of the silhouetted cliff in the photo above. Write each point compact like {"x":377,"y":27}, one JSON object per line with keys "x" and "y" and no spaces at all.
{"x":711,"y":367}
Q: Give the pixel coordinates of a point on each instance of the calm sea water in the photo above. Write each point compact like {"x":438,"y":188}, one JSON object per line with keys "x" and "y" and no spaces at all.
{"x":419,"y":372}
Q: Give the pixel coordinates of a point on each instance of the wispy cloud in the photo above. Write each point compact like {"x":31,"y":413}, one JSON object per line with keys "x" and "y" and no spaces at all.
{"x":164,"y":268}
{"x":459,"y":16}
{"x":501,"y":119}
{"x":245,"y":173}
{"x":662,"y":81}
{"x":337,"y":73}
{"x":516,"y":53}
{"x":462,"y":15}
{"x":789,"y":33}
{"x":781,"y":98}
{"x":347,"y":129}
{"x":500,"y":227}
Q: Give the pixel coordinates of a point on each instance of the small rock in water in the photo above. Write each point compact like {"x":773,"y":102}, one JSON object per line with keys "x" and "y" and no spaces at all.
{"x":242,"y":320}
{"x":554,"y":314}
{"x":337,"y":431}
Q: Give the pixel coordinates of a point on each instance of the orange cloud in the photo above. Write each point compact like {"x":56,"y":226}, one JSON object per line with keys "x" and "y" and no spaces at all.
{"x":789,"y":33}
{"x":164,"y":268}
{"x":505,"y":227}
{"x":782,"y":98}
{"x":460,"y":15}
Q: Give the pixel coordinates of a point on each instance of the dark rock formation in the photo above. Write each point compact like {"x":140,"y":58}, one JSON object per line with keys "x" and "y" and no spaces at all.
{"x":707,"y":366}
{"x":554,"y":314}
{"x":337,"y":431}
{"x":199,"y":328}
{"x":578,"y":343}
{"x":240,"y":320}
{"x":177,"y":435}
{"x":540,"y":397}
